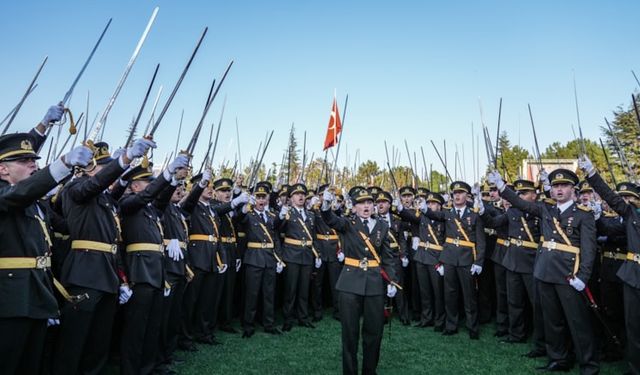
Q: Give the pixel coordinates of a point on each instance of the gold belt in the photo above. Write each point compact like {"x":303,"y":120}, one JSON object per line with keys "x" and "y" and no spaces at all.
{"x":634,"y":257}
{"x":228,"y":239}
{"x":552,"y":245}
{"x":183,"y":245}
{"x":260,"y":245}
{"x":429,"y":245}
{"x":94,"y":245}
{"x":522,"y":243}
{"x":203,"y":237}
{"x":614,"y":255}
{"x":291,"y":241}
{"x":327,"y":237}
{"x":11,"y":263}
{"x":144,"y":247}
{"x":363,"y":264}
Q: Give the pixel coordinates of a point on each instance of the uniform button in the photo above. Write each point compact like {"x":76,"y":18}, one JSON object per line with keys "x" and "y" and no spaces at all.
{"x":521,"y":229}
{"x":10,"y":275}
{"x":554,"y":232}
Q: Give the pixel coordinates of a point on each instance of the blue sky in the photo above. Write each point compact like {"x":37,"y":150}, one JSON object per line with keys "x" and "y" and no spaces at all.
{"x":413,"y":69}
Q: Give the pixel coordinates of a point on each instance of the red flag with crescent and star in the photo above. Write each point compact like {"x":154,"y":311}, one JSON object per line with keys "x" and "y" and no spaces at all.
{"x":335,"y":127}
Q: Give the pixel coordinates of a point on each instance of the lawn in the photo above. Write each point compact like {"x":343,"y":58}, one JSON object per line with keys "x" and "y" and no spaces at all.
{"x":405,"y":350}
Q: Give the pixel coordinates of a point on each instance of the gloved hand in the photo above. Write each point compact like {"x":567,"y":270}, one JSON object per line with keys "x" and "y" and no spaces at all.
{"x":396,"y":203}
{"x":238,"y":265}
{"x":544,"y":178}
{"x":79,"y":156}
{"x":174,"y":251}
{"x":125,"y":294}
{"x":348,"y":204}
{"x":391,"y":290}
{"x":318,"y":263}
{"x":440,"y":269}
{"x":140,"y":147}
{"x":223,"y":268}
{"x":476,"y":269}
{"x":53,"y":322}
{"x":446,"y":198}
{"x":577,"y":284}
{"x":53,"y":115}
{"x":167,"y":292}
{"x":283,"y":212}
{"x":596,"y":207}
{"x":314,"y":201}
{"x":206,"y":177}
{"x":240,"y":199}
{"x":422,"y":205}
{"x":586,"y":165}
{"x":494,"y":178}
{"x":415,"y":243}
{"x":119,"y":152}
{"x":475,"y":190}
{"x":477,"y":204}
{"x":181,"y":161}
{"x":405,"y":262}
{"x":279,"y":267}
{"x":328,"y":196}
{"x":341,"y":257}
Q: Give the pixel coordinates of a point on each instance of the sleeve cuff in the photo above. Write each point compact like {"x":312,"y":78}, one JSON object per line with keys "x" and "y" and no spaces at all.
{"x":123,"y":165}
{"x":38,"y":131}
{"x":59,"y":170}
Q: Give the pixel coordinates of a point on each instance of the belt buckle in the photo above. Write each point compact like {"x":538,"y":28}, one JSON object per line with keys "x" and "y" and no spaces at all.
{"x":304,"y":242}
{"x":364,"y":264}
{"x":551,"y":245}
{"x":519,"y":242}
{"x":507,"y":243}
{"x":456,"y":241}
{"x":264,"y":245}
{"x":636,"y":257}
{"x":210,"y":238}
{"x":114,"y":248}
{"x":41,"y":262}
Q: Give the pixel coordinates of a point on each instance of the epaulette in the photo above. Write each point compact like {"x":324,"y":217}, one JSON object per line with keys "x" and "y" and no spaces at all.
{"x":584,"y":208}
{"x":396,"y":216}
{"x":609,"y":214}
{"x":549,"y":201}
{"x":271,"y":214}
{"x":475,"y":210}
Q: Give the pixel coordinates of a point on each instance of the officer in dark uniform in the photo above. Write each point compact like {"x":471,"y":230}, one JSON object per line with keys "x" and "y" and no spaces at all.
{"x":229,"y":247}
{"x":92,"y":265}
{"x":143,"y":240}
{"x":427,"y":259}
{"x":261,"y":260}
{"x":627,"y":207}
{"x":298,"y":253}
{"x":410,"y":236}
{"x":26,"y":289}
{"x":328,"y":247}
{"x":562,"y":268}
{"x":368,"y":267}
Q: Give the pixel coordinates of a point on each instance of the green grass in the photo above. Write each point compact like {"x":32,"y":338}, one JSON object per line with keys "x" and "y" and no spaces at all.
{"x":407,"y":350}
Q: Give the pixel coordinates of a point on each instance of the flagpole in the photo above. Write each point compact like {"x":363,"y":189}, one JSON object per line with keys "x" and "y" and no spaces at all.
{"x":335,"y":161}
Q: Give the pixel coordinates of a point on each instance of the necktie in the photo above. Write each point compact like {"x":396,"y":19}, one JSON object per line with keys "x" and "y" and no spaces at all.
{"x":459,"y":213}
{"x":264,"y":217}
{"x":366,"y":226}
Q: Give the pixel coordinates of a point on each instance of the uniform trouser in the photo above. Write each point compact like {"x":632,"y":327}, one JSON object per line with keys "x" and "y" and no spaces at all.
{"x":486,"y":292}
{"x":21,"y":345}
{"x":427,"y":297}
{"x":611,"y":297}
{"x":256,"y":280}
{"x":371,"y":310}
{"x":213,"y":288}
{"x":432,"y":283}
{"x":502,"y":305}
{"x":171,"y":319}
{"x":411,"y":274}
{"x":331,"y":270}
{"x":141,"y":330}
{"x":457,"y":278}
{"x":226,"y":300}
{"x":632,"y":323}
{"x":296,"y":292}
{"x":400,"y":300}
{"x":520,"y":287}
{"x":196,"y":304}
{"x":560,"y":304}
{"x":85,"y":333}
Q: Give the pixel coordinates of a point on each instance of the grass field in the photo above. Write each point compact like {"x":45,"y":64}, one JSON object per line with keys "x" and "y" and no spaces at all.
{"x":407,"y":350}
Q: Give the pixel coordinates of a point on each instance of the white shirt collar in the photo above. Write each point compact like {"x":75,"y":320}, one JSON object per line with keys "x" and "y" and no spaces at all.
{"x":563,"y":206}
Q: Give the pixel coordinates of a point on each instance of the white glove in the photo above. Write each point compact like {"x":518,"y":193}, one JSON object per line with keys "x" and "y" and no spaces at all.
{"x":53,"y":322}
{"x":391,"y":290}
{"x":125,"y":294}
{"x":318,"y":263}
{"x":223,"y":268}
{"x":422,"y":205}
{"x":597,"y":209}
{"x":252,"y":200}
{"x":348,"y":204}
{"x":396,"y":203}
{"x":240,"y":199}
{"x":577,"y":284}
{"x":139,"y":148}
{"x":405,"y":262}
{"x":544,"y":178}
{"x":174,"y":251}
{"x":415,"y":243}
{"x":494,"y":178}
{"x":283,"y":212}
{"x":477,"y":204}
{"x":279,"y":267}
{"x":586,"y":165}
{"x":54,"y":114}
{"x":79,"y":156}
{"x":341,"y":257}
{"x":476,"y":269}
{"x":314,"y":201}
{"x":167,"y":292}
{"x":119,"y":152}
{"x":446,"y":198}
{"x":206,"y":177}
{"x":475,"y":190}
{"x":238,"y":265}
{"x":440,"y":269}
{"x":328,"y":196}
{"x":181,"y":161}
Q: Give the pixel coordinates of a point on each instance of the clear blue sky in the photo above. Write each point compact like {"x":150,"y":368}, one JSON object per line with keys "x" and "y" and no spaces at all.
{"x":413,"y":69}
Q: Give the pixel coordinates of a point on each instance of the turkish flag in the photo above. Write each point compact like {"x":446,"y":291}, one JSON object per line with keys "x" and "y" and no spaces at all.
{"x":335,"y":127}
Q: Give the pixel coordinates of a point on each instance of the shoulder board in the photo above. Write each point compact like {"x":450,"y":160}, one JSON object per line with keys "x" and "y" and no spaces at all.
{"x":475,"y":210}
{"x":609,"y":214}
{"x":417,"y":213}
{"x":584,"y":208}
{"x":550,"y":201}
{"x":271,"y":214}
{"x":396,"y":216}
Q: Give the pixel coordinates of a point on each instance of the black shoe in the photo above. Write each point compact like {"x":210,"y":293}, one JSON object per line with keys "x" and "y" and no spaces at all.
{"x":554,"y":366}
{"x":248,"y":333}
{"x":438,"y":329}
{"x":473,"y":335}
{"x":286,"y":327}
{"x":307,"y":324}
{"x":273,"y":331}
{"x":405,"y":322}
{"x":536,"y":353}
{"x":209,"y":340}
{"x":424,"y":324}
{"x":513,"y":340}
{"x":316,"y":319}
{"x":187,"y":347}
{"x":501,"y":333}
{"x":228,"y":329}
{"x":448,"y":332}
